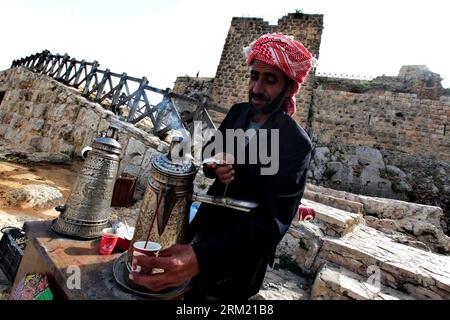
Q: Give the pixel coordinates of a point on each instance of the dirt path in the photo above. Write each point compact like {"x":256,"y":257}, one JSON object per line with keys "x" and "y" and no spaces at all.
{"x":17,"y":176}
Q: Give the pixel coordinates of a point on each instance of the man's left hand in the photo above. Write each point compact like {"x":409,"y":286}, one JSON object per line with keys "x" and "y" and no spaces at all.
{"x":179,"y":263}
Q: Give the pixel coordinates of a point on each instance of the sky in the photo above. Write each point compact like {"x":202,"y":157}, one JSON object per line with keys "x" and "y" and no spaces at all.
{"x":166,"y":39}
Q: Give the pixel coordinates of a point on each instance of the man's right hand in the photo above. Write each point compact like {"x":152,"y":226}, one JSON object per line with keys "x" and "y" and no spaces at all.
{"x":223,"y":168}
{"x":224,"y":172}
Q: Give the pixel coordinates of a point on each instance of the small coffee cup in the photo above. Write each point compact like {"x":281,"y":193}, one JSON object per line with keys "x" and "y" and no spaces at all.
{"x":144,"y":248}
{"x":108,"y":241}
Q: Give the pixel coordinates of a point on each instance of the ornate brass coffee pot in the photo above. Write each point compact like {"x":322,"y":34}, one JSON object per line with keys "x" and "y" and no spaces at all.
{"x":86,"y":211}
{"x":164,"y":214}
{"x":166,"y":200}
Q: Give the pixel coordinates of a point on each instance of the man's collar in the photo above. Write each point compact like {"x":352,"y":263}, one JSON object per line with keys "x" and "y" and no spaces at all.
{"x":273,"y":119}
{"x":244,"y":119}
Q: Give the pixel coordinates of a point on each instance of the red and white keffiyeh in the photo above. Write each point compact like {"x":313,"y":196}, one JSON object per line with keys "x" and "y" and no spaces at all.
{"x":285,"y":53}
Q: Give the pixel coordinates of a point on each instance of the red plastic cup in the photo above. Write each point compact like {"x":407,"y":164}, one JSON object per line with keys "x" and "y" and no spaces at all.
{"x":143,"y":248}
{"x":124,"y":241}
{"x":123,"y":244}
{"x":108,"y":241}
{"x":305,"y":213}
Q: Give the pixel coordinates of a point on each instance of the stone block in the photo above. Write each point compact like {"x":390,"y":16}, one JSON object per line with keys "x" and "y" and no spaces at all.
{"x":88,"y":118}
{"x":10,"y":134}
{"x":71,"y":112}
{"x":334,"y":222}
{"x":335,"y":202}
{"x":56,"y":112}
{"x":16,"y":121}
{"x":302,"y":244}
{"x":64,"y":131}
{"x":397,"y":264}
{"x":3,"y":129}
{"x":34,"y":196}
{"x":135,"y":147}
{"x":35,"y":124}
{"x":25,"y":108}
{"x":337,"y":283}
{"x":148,"y":157}
{"x":39,"y":110}
{"x":132,"y":170}
{"x":79,"y":136}
{"x":103,"y":125}
{"x":43,"y":144}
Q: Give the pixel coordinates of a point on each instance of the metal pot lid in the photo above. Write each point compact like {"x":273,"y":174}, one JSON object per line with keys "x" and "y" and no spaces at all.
{"x":108,"y":142}
{"x":177,"y":168}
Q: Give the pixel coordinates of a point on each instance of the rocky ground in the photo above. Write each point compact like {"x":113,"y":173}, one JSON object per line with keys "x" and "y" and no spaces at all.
{"x":394,"y":175}
{"x":30,"y":191}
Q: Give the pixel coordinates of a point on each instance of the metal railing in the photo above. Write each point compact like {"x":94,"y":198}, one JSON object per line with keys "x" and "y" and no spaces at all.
{"x":125,"y":96}
{"x":344,"y":76}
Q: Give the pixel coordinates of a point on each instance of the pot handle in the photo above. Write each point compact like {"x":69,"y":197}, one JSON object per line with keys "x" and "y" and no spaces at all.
{"x":167,"y":199}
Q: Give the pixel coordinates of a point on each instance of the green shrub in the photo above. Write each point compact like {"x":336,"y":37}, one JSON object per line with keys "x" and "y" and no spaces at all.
{"x":298,"y":13}
{"x":69,"y":153}
{"x":361,"y":87}
{"x":287,"y":263}
{"x":302,"y":244}
{"x":329,"y":173}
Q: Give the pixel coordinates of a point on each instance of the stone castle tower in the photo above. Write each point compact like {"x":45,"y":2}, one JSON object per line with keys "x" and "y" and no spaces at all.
{"x":230,"y":83}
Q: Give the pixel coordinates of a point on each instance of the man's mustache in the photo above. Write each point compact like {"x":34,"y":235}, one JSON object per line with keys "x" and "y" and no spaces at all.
{"x":259,"y":96}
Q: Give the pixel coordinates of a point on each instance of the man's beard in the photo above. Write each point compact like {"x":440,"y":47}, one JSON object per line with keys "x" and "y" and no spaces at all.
{"x":269,"y":108}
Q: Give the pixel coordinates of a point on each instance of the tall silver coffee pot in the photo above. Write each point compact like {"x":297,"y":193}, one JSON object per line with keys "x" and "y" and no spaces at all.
{"x":86,"y":211}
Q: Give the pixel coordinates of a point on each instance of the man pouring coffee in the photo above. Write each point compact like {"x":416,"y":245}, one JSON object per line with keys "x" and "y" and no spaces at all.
{"x":229,"y":250}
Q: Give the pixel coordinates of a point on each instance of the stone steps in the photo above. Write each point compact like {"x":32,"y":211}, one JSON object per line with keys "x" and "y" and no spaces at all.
{"x":337,"y":283}
{"x":342,"y":238}
{"x":422,"y":274}
{"x":333,"y":201}
{"x":334,"y":222}
{"x":421,"y":222}
{"x":303,"y":240}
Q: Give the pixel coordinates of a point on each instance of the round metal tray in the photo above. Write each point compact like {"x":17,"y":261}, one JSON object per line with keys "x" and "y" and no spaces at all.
{"x":121,"y":272}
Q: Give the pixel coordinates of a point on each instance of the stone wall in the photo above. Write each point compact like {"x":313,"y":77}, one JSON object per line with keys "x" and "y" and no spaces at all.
{"x":193,"y":86}
{"x":197,"y":88}
{"x":387,"y":137}
{"x":411,"y":79}
{"x":230,"y":82}
{"x":52,"y":118}
{"x":386,"y":120}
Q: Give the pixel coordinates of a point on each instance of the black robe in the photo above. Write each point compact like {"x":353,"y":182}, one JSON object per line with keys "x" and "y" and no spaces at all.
{"x":234,"y":248}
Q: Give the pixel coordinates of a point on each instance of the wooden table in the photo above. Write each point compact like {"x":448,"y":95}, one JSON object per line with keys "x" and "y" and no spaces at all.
{"x":62,"y":259}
